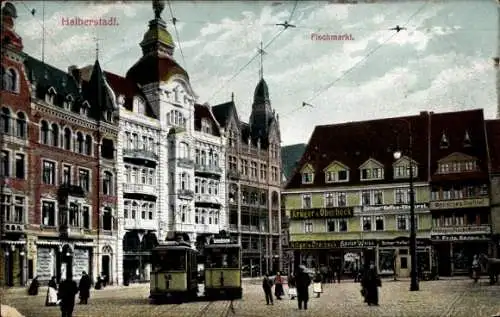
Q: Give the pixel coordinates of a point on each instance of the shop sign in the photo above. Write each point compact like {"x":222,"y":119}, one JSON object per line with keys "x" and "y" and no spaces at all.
{"x":463,"y":203}
{"x":400,"y":243}
{"x":336,"y":212}
{"x":394,"y":207}
{"x":461,"y":237}
{"x":333,"y":244}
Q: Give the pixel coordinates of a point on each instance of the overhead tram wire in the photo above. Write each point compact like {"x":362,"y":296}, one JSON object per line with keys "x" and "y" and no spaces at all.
{"x":275,"y":37}
{"x":174,"y":22}
{"x":32,"y":12}
{"x":330,"y":85}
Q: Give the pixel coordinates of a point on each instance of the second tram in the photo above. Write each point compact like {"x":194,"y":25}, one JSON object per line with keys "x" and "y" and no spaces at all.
{"x":223,"y":270}
{"x":174,"y":275}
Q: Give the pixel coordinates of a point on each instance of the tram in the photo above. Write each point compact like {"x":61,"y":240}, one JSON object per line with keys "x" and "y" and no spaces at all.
{"x":222,"y":270}
{"x":174,"y":273}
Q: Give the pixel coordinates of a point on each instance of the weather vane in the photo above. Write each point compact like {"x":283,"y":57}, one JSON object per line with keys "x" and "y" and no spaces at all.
{"x":158,"y":6}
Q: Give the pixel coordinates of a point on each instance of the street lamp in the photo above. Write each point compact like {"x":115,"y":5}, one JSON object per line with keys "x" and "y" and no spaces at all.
{"x":413,"y":234}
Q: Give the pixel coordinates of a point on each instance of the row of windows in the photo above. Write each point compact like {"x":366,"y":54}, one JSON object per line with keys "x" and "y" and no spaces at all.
{"x":206,"y":216}
{"x":13,"y":209}
{"x":77,"y":216}
{"x":132,"y":208}
{"x":368,"y":198}
{"x":253,"y":170}
{"x":400,"y":171}
{"x":465,"y":219}
{"x":66,"y":139}
{"x":206,"y":158}
{"x":49,"y":175}
{"x":13,"y":165}
{"x":204,"y":186}
{"x":138,"y":175}
{"x":134,"y":141}
{"x":368,"y":223}
{"x":176,"y":118}
{"x":10,"y":125}
{"x":459,"y":192}
{"x":458,"y":167}
{"x":206,"y":126}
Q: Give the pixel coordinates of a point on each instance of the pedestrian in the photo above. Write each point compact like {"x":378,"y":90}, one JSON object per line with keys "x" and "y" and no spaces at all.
{"x":278,"y":288}
{"x":339,"y":272}
{"x":67,"y":292}
{"x":476,"y":268}
{"x":33,"y":289}
{"x":84,"y":288}
{"x":51,"y":298}
{"x":267,"y":286}
{"x":302,"y":281}
{"x":370,"y":284}
{"x":317,"y":287}
{"x":292,"y":290}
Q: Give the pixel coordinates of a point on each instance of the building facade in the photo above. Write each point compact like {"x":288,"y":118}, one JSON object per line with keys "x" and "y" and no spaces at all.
{"x":70,"y":134}
{"x":348,"y":201}
{"x":493,"y":133}
{"x":253,"y":181}
{"x":460,"y":190}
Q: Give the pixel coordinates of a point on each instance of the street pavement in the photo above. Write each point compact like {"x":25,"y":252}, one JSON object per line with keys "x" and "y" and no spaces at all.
{"x":443,"y":298}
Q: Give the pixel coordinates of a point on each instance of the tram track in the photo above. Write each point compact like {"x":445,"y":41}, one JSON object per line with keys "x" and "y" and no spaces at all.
{"x":214,"y":308}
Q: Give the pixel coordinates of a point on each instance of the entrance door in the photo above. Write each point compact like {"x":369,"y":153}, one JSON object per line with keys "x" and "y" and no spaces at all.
{"x":404,"y":265}
{"x":106,"y":270}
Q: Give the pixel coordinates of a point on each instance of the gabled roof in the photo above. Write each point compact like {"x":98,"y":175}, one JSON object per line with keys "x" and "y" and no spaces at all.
{"x":290,"y":156}
{"x":355,"y":142}
{"x":223,"y":111}
{"x":204,"y":112}
{"x":457,"y":156}
{"x":454,"y":125}
{"x":493,"y":132}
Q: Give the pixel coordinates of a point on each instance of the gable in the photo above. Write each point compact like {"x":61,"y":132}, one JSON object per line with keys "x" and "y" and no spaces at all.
{"x":371,"y":163}
{"x":335,"y":166}
{"x":307,"y":169}
{"x":457,"y":157}
{"x":405,"y":160}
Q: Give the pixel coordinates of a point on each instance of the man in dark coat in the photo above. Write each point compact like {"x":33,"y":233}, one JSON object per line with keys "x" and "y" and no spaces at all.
{"x":267,"y":286}
{"x":67,"y":292}
{"x":84,"y":288}
{"x":302,"y":282}
{"x":370,"y":283}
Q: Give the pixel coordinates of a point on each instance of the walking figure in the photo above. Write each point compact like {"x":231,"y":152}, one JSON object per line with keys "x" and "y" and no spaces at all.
{"x":317,"y":287}
{"x":267,"y":286}
{"x":370,"y":284}
{"x":84,"y":288}
{"x":33,"y":289}
{"x":292,"y":291}
{"x":67,"y":292}
{"x":302,"y":281}
{"x":51,"y":298}
{"x":278,"y":288}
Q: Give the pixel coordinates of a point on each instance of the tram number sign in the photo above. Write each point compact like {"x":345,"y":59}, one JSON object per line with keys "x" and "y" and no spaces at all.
{"x":168,"y":278}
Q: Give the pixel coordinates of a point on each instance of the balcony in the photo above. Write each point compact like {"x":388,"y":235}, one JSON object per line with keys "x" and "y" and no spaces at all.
{"x":207,"y":199}
{"x":208,"y":169}
{"x":140,"y":154}
{"x":460,"y":203}
{"x":467,"y":229}
{"x":140,"y":224}
{"x":185,"y":163}
{"x":67,"y":190}
{"x":139,"y":189}
{"x":231,"y":174}
{"x":183,"y":227}
{"x":185,"y":194}
{"x":13,"y":227}
{"x":214,"y":229}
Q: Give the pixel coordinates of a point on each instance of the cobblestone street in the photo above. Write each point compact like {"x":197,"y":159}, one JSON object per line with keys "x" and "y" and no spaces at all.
{"x":457,"y":298}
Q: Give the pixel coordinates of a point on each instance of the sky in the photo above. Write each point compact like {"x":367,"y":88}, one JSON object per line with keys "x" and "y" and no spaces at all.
{"x":441,"y":62}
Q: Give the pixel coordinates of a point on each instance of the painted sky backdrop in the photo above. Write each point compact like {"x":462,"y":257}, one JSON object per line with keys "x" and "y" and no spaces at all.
{"x":442,"y":62}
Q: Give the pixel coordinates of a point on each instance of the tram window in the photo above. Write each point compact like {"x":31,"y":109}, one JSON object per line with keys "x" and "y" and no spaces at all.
{"x":171,"y":261}
{"x":224,"y":258}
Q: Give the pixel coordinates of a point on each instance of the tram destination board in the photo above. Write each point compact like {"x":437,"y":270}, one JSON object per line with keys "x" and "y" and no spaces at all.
{"x":336,"y":212}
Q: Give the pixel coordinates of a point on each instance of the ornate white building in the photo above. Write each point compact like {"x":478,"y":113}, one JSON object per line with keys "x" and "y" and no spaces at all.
{"x":170,"y":152}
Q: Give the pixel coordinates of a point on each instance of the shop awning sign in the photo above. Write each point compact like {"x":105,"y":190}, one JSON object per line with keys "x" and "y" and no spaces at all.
{"x":332,"y":244}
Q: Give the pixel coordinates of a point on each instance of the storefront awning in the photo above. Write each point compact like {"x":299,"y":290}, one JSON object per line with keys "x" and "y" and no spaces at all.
{"x":54,"y":243}
{"x":84,"y":244}
{"x":13,"y":242}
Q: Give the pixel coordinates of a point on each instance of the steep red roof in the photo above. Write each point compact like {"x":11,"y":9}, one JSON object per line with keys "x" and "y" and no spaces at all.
{"x":455,"y":126}
{"x":154,"y":69}
{"x":493,"y":133}
{"x":204,"y":112}
{"x":352,"y":144}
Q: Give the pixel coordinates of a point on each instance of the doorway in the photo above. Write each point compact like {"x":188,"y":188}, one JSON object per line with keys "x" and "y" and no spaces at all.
{"x":106,"y":269}
{"x":404,"y":265}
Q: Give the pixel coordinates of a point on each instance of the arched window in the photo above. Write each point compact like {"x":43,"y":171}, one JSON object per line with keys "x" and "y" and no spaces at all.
{"x":144,"y":211}
{"x":203,"y":186}
{"x":216,"y":159}
{"x":88,"y":145}
{"x":135,"y":206}
{"x":127,"y":174}
{"x":183,"y":181}
{"x":21,"y":131}
{"x":183,"y":150}
{"x":67,"y":139}
{"x":107,"y":183}
{"x":144,"y":176}
{"x":203,"y":158}
{"x":79,"y":142}
{"x":134,"y":175}
{"x":44,"y":132}
{"x":126,"y":209}
{"x":4,"y":78}
{"x":5,"y":120}
{"x":55,"y":134}
{"x":151,"y":211}
{"x":12,"y":81}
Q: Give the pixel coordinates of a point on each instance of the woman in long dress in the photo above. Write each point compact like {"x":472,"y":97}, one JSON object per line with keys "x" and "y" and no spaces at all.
{"x":278,"y":288}
{"x":51,"y":299}
{"x":317,"y":287}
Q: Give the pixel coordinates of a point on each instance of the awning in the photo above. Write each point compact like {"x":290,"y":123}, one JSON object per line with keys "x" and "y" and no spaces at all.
{"x":13,"y":242}
{"x":84,"y":244}
{"x":54,"y":243}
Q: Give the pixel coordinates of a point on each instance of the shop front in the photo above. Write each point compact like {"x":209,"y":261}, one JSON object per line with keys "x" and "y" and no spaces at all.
{"x":13,"y":263}
{"x":454,"y":253}
{"x":332,"y":255}
{"x":394,"y":258}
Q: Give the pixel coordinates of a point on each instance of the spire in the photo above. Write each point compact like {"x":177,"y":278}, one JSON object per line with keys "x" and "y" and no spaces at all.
{"x":261,"y":53}
{"x":96,"y":39}
{"x":232,"y":96}
{"x":157,"y":39}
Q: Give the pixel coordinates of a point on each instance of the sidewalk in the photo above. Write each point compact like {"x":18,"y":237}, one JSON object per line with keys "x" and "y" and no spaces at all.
{"x":7,"y":311}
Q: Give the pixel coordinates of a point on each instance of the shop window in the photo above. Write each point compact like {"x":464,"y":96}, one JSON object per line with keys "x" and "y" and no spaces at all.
{"x":404,"y":263}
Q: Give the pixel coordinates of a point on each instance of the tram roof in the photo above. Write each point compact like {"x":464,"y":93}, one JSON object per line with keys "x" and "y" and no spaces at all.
{"x":222,"y":245}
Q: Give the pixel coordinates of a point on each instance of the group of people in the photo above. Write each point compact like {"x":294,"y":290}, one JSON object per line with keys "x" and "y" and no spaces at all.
{"x":298,"y":286}
{"x":64,"y":293}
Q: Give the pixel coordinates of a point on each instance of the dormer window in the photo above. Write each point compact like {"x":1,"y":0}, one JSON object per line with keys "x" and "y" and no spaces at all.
{"x":401,"y":168}
{"x":206,"y":126}
{"x":139,"y":105}
{"x":176,"y":94}
{"x":371,"y":170}
{"x":457,"y":163}
{"x":109,"y":116}
{"x":84,"y":109}
{"x":49,"y":97}
{"x":307,"y":178}
{"x":444,"y":143}
{"x":68,"y":103}
{"x":467,"y":141}
{"x":336,"y":172}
